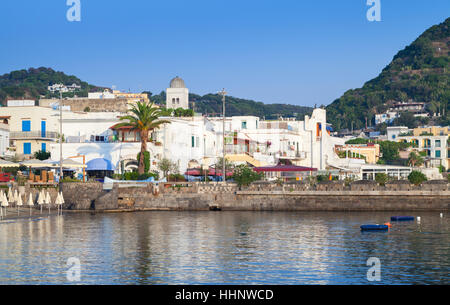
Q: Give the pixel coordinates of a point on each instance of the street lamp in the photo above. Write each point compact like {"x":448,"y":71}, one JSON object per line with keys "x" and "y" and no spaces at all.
{"x":223,"y":93}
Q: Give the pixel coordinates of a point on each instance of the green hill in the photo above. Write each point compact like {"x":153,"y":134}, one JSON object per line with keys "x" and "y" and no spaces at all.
{"x":419,"y":73}
{"x":33,"y":83}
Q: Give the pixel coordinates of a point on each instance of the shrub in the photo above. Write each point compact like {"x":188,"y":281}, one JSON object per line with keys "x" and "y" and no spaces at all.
{"x":417,"y":177}
{"x":68,"y":179}
{"x":42,"y":155}
{"x":244,"y":175}
{"x":381,"y":178}
{"x":176,"y":178}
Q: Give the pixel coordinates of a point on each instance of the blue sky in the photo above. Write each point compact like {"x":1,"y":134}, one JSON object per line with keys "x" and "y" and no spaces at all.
{"x":302,"y":52}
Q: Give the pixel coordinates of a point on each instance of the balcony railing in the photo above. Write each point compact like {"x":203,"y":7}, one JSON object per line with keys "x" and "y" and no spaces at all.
{"x":33,"y":135}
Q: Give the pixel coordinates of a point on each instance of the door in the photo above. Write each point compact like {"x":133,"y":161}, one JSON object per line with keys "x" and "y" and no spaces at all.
{"x":27,"y":148}
{"x":43,"y":128}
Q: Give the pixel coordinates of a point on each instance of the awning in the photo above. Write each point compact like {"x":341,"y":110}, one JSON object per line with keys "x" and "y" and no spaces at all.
{"x":4,"y":163}
{"x":69,"y":163}
{"x":35,"y":163}
{"x":100,"y":164}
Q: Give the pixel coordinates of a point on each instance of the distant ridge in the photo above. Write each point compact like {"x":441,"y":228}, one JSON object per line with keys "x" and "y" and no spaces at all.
{"x":32,"y":83}
{"x":418,"y":73}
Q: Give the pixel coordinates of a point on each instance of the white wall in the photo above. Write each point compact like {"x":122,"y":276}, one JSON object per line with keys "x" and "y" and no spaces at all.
{"x":181,"y":93}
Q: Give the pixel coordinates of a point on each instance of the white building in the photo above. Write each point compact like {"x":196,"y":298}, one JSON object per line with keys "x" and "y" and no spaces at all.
{"x":387,"y":117}
{"x":177,"y":95}
{"x":394,"y":131}
{"x":4,"y":135}
{"x":106,"y":94}
{"x":63,"y":88}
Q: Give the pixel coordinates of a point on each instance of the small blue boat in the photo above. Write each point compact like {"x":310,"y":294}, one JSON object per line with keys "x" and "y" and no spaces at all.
{"x":374,"y":228}
{"x":402,"y":218}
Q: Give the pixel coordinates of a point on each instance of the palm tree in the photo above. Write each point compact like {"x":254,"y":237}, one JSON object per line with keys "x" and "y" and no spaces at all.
{"x":414,"y":159}
{"x":143,"y":117}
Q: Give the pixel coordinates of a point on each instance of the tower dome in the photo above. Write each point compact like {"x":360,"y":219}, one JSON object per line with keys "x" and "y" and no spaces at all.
{"x":177,"y":83}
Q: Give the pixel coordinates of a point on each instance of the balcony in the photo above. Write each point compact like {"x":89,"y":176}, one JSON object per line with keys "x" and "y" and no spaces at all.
{"x":49,"y":135}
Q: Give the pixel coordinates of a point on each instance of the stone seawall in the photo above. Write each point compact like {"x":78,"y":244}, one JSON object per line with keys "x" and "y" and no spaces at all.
{"x":263,"y":197}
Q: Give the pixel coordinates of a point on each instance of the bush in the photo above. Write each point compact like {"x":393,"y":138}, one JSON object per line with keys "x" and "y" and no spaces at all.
{"x":176,"y":178}
{"x":417,"y":177}
{"x":381,"y":178}
{"x":42,"y":155}
{"x":133,"y":176}
{"x":244,"y":175}
{"x":68,"y":179}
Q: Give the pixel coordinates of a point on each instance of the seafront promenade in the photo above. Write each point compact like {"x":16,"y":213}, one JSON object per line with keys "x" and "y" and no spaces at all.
{"x":259,"y":196}
{"x":297,"y":196}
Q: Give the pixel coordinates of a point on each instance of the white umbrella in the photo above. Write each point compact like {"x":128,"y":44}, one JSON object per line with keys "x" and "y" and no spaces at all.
{"x":48,"y":201}
{"x":62,"y":198}
{"x":30,"y":202}
{"x":40,"y":200}
{"x":15,"y":196}
{"x":19,"y":202}
{"x":58,"y":202}
{"x":5,"y":203}
{"x":10,"y":195}
{"x":1,"y":200}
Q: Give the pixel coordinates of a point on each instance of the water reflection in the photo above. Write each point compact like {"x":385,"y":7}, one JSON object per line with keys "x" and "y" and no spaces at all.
{"x":223,"y":248}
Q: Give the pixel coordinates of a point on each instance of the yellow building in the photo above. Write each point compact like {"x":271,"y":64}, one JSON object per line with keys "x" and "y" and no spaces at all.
{"x":131,"y":97}
{"x":370,"y":151}
{"x":32,"y":128}
{"x":432,"y":130}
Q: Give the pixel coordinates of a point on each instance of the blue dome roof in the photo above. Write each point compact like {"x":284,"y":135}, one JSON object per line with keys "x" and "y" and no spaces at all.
{"x":100,"y":164}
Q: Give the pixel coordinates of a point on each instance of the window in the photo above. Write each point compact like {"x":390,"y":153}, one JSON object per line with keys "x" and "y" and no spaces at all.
{"x":27,"y":148}
{"x":197,"y":142}
{"x":26,"y":125}
{"x":44,"y":146}
{"x":193,"y":141}
{"x":438,"y":153}
{"x":244,"y":125}
{"x":438,"y":143}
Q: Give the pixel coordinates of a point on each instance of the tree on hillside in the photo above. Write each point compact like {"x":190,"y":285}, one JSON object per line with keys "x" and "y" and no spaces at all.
{"x":143,"y":117}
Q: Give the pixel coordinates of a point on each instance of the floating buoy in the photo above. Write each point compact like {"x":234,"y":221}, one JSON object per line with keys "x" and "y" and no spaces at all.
{"x":374,"y":227}
{"x":388,"y":224}
{"x":418,"y":218}
{"x":442,"y":215}
{"x":402,"y":218}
